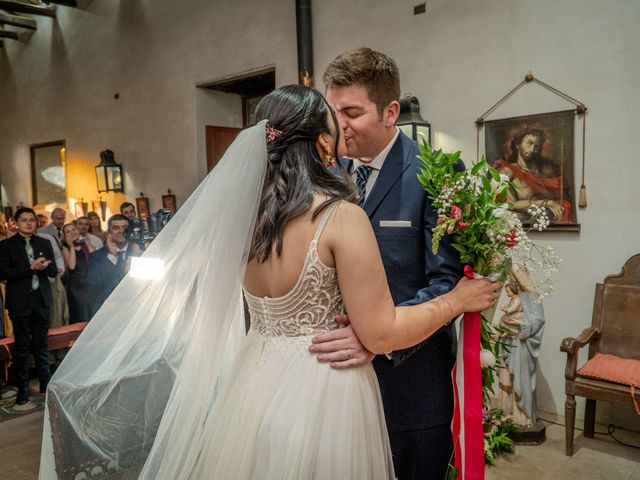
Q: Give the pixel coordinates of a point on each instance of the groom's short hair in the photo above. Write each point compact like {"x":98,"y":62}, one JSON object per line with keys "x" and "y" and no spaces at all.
{"x":377,"y":72}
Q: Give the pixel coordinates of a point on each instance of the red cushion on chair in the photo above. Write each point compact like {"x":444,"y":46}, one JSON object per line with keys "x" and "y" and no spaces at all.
{"x":612,"y":368}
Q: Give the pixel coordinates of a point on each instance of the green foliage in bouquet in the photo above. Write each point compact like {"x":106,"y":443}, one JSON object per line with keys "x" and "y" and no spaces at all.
{"x":471,"y":207}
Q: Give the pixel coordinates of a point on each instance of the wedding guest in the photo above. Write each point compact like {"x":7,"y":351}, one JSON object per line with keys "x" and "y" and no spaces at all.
{"x":4,"y":327}
{"x":57,"y":253}
{"x":4,"y":227}
{"x":84,"y":225}
{"x":42,"y":220}
{"x":58,"y":216}
{"x":110,"y":263}
{"x":363,"y":87}
{"x":59,"y":310}
{"x":128,"y":210}
{"x":26,"y":261}
{"x":76,"y":252}
{"x":95,"y":226}
{"x":12,"y":226}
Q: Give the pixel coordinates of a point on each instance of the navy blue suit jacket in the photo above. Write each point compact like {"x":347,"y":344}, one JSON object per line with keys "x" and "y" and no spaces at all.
{"x":104,"y":276}
{"x":15,"y":268}
{"x":416,"y":385}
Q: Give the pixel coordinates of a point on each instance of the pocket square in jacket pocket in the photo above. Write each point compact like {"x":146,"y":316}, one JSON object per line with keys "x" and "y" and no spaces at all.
{"x":395,"y":223}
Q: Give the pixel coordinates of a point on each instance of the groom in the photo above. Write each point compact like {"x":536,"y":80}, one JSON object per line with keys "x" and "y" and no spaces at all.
{"x":363,"y":86}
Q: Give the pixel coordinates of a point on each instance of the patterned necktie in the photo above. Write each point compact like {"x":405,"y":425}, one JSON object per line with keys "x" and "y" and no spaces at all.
{"x":362,"y":175}
{"x":121,"y":256}
{"x":35,"y":283}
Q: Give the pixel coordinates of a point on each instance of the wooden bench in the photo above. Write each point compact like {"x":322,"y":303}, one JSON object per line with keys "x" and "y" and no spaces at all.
{"x":615,"y":330}
{"x":59,"y":338}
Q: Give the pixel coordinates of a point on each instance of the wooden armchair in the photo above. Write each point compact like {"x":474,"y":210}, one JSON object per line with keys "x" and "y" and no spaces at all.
{"x":615,"y":330}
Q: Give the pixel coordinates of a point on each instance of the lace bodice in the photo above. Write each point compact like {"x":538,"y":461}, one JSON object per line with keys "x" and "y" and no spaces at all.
{"x":310,"y":306}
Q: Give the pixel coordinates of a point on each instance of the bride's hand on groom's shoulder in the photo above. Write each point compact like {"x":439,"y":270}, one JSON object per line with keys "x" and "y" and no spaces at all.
{"x":340,"y":347}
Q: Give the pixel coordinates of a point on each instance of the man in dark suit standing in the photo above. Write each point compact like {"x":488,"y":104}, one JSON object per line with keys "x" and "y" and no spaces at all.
{"x":27,"y":263}
{"x":363,"y":87}
{"x":109,"y":264}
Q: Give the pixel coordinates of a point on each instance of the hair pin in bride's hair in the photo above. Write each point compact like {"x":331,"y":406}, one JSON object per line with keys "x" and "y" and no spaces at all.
{"x":271,"y":133}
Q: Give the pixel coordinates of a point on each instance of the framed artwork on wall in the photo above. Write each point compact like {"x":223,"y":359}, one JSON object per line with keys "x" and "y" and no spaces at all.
{"x":49,"y":173}
{"x":169,"y":201}
{"x":536,"y":152}
{"x":142,"y":206}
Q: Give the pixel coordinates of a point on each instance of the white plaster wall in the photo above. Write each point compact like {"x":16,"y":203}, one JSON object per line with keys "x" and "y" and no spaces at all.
{"x":458,"y":58}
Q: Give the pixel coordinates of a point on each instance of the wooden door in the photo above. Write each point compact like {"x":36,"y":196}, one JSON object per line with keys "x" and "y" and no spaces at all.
{"x":218,"y":140}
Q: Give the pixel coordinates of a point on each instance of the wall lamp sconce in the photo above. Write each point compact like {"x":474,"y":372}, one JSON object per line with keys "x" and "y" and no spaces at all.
{"x":410,"y":121}
{"x":109,"y":173}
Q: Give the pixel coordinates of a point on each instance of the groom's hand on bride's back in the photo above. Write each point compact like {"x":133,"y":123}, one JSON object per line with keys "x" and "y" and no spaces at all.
{"x":340,"y":347}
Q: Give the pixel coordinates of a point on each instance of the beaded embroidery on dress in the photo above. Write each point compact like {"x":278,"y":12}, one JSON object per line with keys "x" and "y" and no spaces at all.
{"x":282,"y":414}
{"x":311,"y":305}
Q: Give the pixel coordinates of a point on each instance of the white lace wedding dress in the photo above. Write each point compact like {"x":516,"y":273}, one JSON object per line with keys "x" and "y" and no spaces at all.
{"x":283,"y":415}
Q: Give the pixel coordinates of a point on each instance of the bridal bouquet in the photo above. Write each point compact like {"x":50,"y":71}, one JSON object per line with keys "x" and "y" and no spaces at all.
{"x":472,"y":208}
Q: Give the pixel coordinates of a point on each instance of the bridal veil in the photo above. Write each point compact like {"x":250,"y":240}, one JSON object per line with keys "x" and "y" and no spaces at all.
{"x":132,"y":396}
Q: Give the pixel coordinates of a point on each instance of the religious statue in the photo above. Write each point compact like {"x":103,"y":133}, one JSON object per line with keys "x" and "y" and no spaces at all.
{"x":523,"y":321}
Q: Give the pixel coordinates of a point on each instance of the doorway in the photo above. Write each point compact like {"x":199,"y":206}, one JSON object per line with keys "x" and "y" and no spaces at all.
{"x":250,"y":88}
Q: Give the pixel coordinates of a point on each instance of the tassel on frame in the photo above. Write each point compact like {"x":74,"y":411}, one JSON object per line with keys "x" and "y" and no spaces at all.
{"x":582,"y":199}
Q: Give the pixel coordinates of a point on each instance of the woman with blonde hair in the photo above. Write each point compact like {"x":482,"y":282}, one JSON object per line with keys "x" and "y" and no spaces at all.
{"x":95,"y":226}
{"x":4,"y":227}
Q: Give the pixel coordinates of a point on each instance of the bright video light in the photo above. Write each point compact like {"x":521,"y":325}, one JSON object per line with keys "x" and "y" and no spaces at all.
{"x":147,"y":268}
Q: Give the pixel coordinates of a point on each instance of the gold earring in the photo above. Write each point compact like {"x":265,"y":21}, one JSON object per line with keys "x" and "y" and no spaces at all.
{"x":329,"y":161}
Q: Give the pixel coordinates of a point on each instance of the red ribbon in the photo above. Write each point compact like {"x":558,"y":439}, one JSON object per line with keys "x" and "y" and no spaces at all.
{"x":467,"y":426}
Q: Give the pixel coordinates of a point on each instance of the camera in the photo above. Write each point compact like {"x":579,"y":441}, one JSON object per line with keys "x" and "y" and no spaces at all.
{"x":157,"y":221}
{"x":143,"y":232}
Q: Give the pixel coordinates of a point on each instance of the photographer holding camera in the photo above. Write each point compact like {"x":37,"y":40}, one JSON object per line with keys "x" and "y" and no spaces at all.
{"x":143,"y":230}
{"x":111,"y":263}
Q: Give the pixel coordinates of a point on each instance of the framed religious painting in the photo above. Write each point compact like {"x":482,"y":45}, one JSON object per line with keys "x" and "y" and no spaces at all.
{"x":536,"y":152}
{"x":169,"y":201}
{"x":142,"y":207}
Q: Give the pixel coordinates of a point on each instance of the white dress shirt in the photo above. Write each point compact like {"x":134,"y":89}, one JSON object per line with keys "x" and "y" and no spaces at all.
{"x":376,"y":164}
{"x":114,"y":258}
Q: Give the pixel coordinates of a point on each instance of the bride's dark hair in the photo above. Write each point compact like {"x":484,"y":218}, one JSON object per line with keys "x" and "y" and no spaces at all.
{"x":295,"y":169}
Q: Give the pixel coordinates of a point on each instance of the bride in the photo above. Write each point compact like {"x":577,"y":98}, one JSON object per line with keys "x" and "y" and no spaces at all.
{"x":162,"y":383}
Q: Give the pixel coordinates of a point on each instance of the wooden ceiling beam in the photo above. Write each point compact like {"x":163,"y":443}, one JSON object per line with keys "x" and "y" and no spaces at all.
{"x":16,"y":21}
{"x":11,"y":35}
{"x":66,"y":3}
{"x":20,"y":7}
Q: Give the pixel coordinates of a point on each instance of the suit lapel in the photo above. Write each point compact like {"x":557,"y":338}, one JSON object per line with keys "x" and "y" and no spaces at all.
{"x":394,"y":166}
{"x":20,"y":248}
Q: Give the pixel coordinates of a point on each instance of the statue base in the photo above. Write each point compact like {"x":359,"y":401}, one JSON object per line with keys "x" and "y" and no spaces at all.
{"x":533,"y":435}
